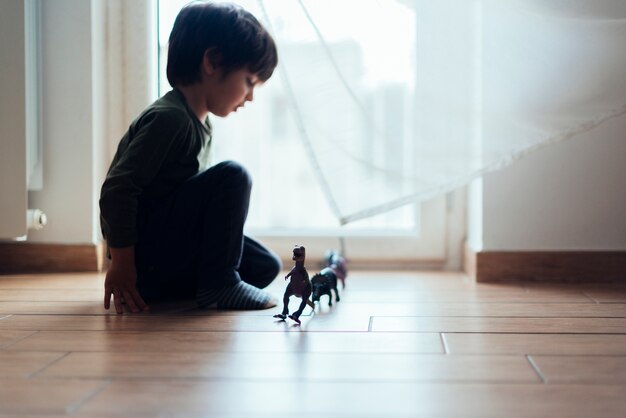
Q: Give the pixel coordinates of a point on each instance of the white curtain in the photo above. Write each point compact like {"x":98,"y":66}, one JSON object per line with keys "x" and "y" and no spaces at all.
{"x":131,"y":57}
{"x":397,"y":101}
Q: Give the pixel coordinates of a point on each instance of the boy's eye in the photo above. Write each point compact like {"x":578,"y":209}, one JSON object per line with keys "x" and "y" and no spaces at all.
{"x":249,"y":82}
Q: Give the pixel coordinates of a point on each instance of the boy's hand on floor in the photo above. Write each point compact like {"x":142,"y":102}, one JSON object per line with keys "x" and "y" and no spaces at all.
{"x":121,"y":283}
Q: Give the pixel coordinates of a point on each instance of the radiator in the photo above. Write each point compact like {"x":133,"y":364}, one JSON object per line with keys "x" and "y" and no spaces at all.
{"x":20,"y":137}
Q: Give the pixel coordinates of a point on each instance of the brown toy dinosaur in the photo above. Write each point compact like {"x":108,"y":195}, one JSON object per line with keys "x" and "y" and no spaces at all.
{"x":323,"y":283}
{"x":339,"y":264}
{"x":299,"y":286}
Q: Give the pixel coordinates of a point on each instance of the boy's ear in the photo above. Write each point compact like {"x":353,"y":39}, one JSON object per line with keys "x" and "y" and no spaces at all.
{"x":209,"y":62}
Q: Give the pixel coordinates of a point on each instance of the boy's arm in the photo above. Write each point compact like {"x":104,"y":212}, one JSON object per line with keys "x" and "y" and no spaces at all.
{"x":135,"y":168}
{"x":121,"y":281}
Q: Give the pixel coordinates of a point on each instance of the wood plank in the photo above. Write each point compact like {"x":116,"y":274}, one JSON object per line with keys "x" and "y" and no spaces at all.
{"x":582,"y":286}
{"x":86,"y":288}
{"x":28,"y":396}
{"x":232,"y":342}
{"x":400,"y":399}
{"x":39,"y":301}
{"x":180,"y":362}
{"x":607,"y":296}
{"x":33,"y":415}
{"x":499,"y":325}
{"x":477,"y":295}
{"x":54,"y":301}
{"x":182,"y":323}
{"x":230,"y":414}
{"x":361,"y":280}
{"x":358,"y":280}
{"x":71,"y":296}
{"x":182,"y":307}
{"x":298,"y":367}
{"x":63,"y":415}
{"x":16,"y":364}
{"x":582,"y":369}
{"x":414,"y":281}
{"x":55,"y":308}
{"x":51,"y":295}
{"x":613,"y":292}
{"x":9,"y":337}
{"x":469,"y":309}
{"x":189,"y":308}
{"x":565,"y":344}
{"x":53,"y":281}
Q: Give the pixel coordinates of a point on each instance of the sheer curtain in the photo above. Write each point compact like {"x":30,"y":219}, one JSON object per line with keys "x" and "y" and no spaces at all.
{"x":466,"y":86}
{"x":130,"y":29}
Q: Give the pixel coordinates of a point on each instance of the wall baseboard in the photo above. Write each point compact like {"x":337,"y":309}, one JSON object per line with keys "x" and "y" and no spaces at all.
{"x":545,"y":266}
{"x":25,"y":257}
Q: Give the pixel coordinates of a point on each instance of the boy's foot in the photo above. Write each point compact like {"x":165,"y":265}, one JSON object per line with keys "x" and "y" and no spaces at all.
{"x":239,"y":296}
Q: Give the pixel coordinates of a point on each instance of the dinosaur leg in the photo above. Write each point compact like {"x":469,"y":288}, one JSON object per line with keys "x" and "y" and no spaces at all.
{"x":330,"y":298}
{"x":285,"y":306}
{"x":337,"y":298}
{"x":296,"y":315}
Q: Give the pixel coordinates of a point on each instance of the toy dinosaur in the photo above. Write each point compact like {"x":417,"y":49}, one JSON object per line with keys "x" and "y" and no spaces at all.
{"x":322,"y":284}
{"x":299,"y":286}
{"x":338,"y":264}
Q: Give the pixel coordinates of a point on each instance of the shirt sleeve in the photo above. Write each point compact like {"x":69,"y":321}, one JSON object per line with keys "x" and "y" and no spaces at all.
{"x":135,"y":168}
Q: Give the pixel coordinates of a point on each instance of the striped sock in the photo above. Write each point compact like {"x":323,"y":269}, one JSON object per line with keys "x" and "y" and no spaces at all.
{"x":239,"y":296}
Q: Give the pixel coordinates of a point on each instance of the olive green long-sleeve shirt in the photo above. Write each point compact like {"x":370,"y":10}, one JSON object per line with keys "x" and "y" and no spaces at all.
{"x":163,"y":147}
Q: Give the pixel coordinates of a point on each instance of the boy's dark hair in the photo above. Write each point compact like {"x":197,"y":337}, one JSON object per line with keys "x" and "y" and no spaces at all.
{"x":234,"y":37}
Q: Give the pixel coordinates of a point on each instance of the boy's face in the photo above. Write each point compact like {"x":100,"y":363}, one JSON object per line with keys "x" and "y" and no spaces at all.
{"x":224,"y":95}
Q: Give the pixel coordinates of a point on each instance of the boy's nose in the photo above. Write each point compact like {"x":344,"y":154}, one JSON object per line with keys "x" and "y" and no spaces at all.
{"x":250,"y":96}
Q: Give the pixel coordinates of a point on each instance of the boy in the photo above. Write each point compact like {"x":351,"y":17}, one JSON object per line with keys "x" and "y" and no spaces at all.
{"x":173,"y":229}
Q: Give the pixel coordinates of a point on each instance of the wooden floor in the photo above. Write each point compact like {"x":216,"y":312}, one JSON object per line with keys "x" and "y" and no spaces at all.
{"x":398,"y":344}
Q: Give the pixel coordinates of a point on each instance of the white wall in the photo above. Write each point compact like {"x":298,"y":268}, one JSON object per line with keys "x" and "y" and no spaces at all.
{"x":569,"y":196}
{"x":71,"y":122}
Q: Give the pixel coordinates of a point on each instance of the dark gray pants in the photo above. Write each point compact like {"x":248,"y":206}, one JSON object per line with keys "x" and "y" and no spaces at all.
{"x":194,"y":238}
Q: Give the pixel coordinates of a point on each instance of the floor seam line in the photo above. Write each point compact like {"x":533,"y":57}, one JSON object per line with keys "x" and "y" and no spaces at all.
{"x":41,"y":369}
{"x":446,"y":349}
{"x":536,"y":368}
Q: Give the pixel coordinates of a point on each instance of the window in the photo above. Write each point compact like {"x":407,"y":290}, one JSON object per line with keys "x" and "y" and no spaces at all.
{"x":265,"y":138}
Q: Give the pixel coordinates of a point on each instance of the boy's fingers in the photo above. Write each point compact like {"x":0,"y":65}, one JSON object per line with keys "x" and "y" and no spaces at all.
{"x":117,"y":299}
{"x":140,"y":302}
{"x":128,"y":298}
{"x":107,"y":299}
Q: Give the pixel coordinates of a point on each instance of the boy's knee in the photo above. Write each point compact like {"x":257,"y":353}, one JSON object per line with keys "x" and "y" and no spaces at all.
{"x":269,"y":271}
{"x":235,"y":172}
{"x":274,"y":265}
